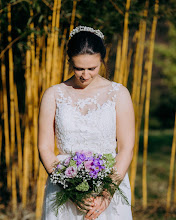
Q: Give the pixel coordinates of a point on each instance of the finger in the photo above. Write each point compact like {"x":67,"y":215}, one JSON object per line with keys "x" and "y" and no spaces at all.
{"x":89,"y":202}
{"x":96,"y":214}
{"x":91,"y":212}
{"x":80,"y":209}
{"x":84,"y":207}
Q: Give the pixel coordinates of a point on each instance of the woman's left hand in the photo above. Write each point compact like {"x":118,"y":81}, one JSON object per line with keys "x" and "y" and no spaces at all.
{"x":101,"y":203}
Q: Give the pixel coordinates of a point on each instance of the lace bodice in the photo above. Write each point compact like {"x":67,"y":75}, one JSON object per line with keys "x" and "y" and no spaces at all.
{"x":86,"y":120}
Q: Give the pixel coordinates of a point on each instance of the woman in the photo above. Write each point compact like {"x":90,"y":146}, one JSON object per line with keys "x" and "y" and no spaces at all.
{"x":87,"y":112}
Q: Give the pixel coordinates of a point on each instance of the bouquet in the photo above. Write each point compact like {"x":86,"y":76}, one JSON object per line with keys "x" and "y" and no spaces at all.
{"x":81,"y":175}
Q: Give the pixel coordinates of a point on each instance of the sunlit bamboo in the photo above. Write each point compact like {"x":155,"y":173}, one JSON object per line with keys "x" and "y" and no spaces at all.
{"x":172,"y":161}
{"x":118,"y":60}
{"x":26,"y":164}
{"x":147,"y":104}
{"x":6,"y":124}
{"x":66,"y":68}
{"x":19,"y":144}
{"x":124,"y":43}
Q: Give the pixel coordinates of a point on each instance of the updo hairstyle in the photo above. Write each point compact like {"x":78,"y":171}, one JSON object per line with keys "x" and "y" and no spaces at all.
{"x":85,"y":42}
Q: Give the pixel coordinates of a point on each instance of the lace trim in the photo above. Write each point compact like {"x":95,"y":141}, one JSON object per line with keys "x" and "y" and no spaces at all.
{"x":81,"y":103}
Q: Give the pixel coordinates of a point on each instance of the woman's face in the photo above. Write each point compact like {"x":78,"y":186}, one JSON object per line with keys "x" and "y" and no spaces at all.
{"x":86,"y":68}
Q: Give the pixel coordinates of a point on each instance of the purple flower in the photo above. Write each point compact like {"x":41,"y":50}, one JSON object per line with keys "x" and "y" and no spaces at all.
{"x":97,"y":162}
{"x":93,"y":174}
{"x":82,"y":157}
{"x":90,"y":158}
{"x":79,"y":158}
{"x":86,"y":153}
{"x":71,"y":172}
{"x":67,"y":161}
{"x":96,"y":168}
{"x":60,"y":167}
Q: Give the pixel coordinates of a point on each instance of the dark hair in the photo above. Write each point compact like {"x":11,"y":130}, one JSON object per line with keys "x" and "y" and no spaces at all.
{"x":86,"y":42}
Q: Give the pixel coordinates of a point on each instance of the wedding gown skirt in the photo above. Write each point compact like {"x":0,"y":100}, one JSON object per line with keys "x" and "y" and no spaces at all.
{"x":117,"y":209}
{"x":86,"y":120}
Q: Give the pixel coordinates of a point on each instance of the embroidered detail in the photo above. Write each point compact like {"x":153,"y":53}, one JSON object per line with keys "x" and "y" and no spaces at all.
{"x":88,"y":123}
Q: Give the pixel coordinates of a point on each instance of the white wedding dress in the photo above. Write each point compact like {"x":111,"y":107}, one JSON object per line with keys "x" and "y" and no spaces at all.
{"x":86,"y":120}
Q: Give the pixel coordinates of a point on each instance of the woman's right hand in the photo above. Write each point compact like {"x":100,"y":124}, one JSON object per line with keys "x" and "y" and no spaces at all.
{"x":87,"y":205}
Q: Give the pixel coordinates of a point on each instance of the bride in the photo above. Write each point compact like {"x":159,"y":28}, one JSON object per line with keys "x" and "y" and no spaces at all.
{"x":87,"y":112}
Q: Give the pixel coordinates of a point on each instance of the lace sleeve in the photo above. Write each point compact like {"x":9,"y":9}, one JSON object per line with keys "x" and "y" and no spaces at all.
{"x":46,"y":128}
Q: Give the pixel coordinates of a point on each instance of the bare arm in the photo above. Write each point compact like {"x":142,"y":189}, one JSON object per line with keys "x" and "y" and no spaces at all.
{"x":125,"y":124}
{"x":46,"y":130}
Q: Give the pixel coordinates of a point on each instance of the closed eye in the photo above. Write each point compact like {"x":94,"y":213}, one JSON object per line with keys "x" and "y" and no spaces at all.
{"x":78,"y":69}
{"x":92,"y":68}
{"x":81,"y":69}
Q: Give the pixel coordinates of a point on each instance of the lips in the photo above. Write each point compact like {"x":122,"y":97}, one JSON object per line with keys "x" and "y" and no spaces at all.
{"x":84,"y":79}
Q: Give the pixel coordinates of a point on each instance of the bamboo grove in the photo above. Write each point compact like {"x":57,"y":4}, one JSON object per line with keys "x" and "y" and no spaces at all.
{"x":46,"y":65}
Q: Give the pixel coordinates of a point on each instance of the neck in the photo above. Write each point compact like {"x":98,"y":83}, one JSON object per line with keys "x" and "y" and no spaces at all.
{"x":78,"y":85}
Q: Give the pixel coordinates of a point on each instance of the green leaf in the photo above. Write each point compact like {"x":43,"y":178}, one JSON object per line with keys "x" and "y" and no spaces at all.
{"x":72,"y":163}
{"x":84,"y":186}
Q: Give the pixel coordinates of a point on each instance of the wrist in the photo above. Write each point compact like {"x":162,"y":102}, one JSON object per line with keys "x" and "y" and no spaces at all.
{"x":116,"y":177}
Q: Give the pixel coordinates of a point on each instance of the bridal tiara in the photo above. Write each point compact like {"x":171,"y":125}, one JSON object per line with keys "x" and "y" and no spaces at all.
{"x":85,"y":28}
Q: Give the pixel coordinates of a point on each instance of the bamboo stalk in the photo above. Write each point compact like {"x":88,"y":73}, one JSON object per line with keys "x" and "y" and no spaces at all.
{"x":61,"y":57}
{"x":41,"y":181}
{"x":34,"y":96}
{"x":1,"y":112}
{"x":26,"y":164}
{"x":172,"y":161}
{"x":118,"y":60}
{"x":125,"y":42}
{"x":6,"y":124}
{"x":66,"y":68}
{"x":14,"y":189}
{"x":147,"y":105}
{"x":133,"y":166}
{"x":73,"y":15}
{"x":50,"y":43}
{"x":175,"y":189}
{"x":35,"y":116}
{"x":127,"y":69}
{"x":56,"y":48}
{"x":11,"y":86}
{"x":43,"y":66}
{"x":136,"y":94}
{"x":19,"y":144}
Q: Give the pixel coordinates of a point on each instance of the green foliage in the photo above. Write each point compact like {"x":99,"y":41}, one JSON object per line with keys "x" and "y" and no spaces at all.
{"x":72,"y":163}
{"x":165,"y":65}
{"x":84,"y":186}
{"x":165,"y":58}
{"x":110,"y":160}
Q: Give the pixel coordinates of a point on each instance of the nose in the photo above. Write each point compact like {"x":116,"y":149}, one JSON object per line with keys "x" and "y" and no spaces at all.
{"x":85,"y":73}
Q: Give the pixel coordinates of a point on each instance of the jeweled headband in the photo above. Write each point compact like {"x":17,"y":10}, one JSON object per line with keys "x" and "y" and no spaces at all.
{"x":84,"y":28}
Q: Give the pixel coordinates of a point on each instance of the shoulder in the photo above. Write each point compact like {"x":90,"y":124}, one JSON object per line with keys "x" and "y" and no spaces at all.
{"x":49,"y":95}
{"x":121,"y":93}
{"x":120,"y":87}
{"x":51,"y":91}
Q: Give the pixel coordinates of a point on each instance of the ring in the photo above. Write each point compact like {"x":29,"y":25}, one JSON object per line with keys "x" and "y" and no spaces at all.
{"x":97,"y":210}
